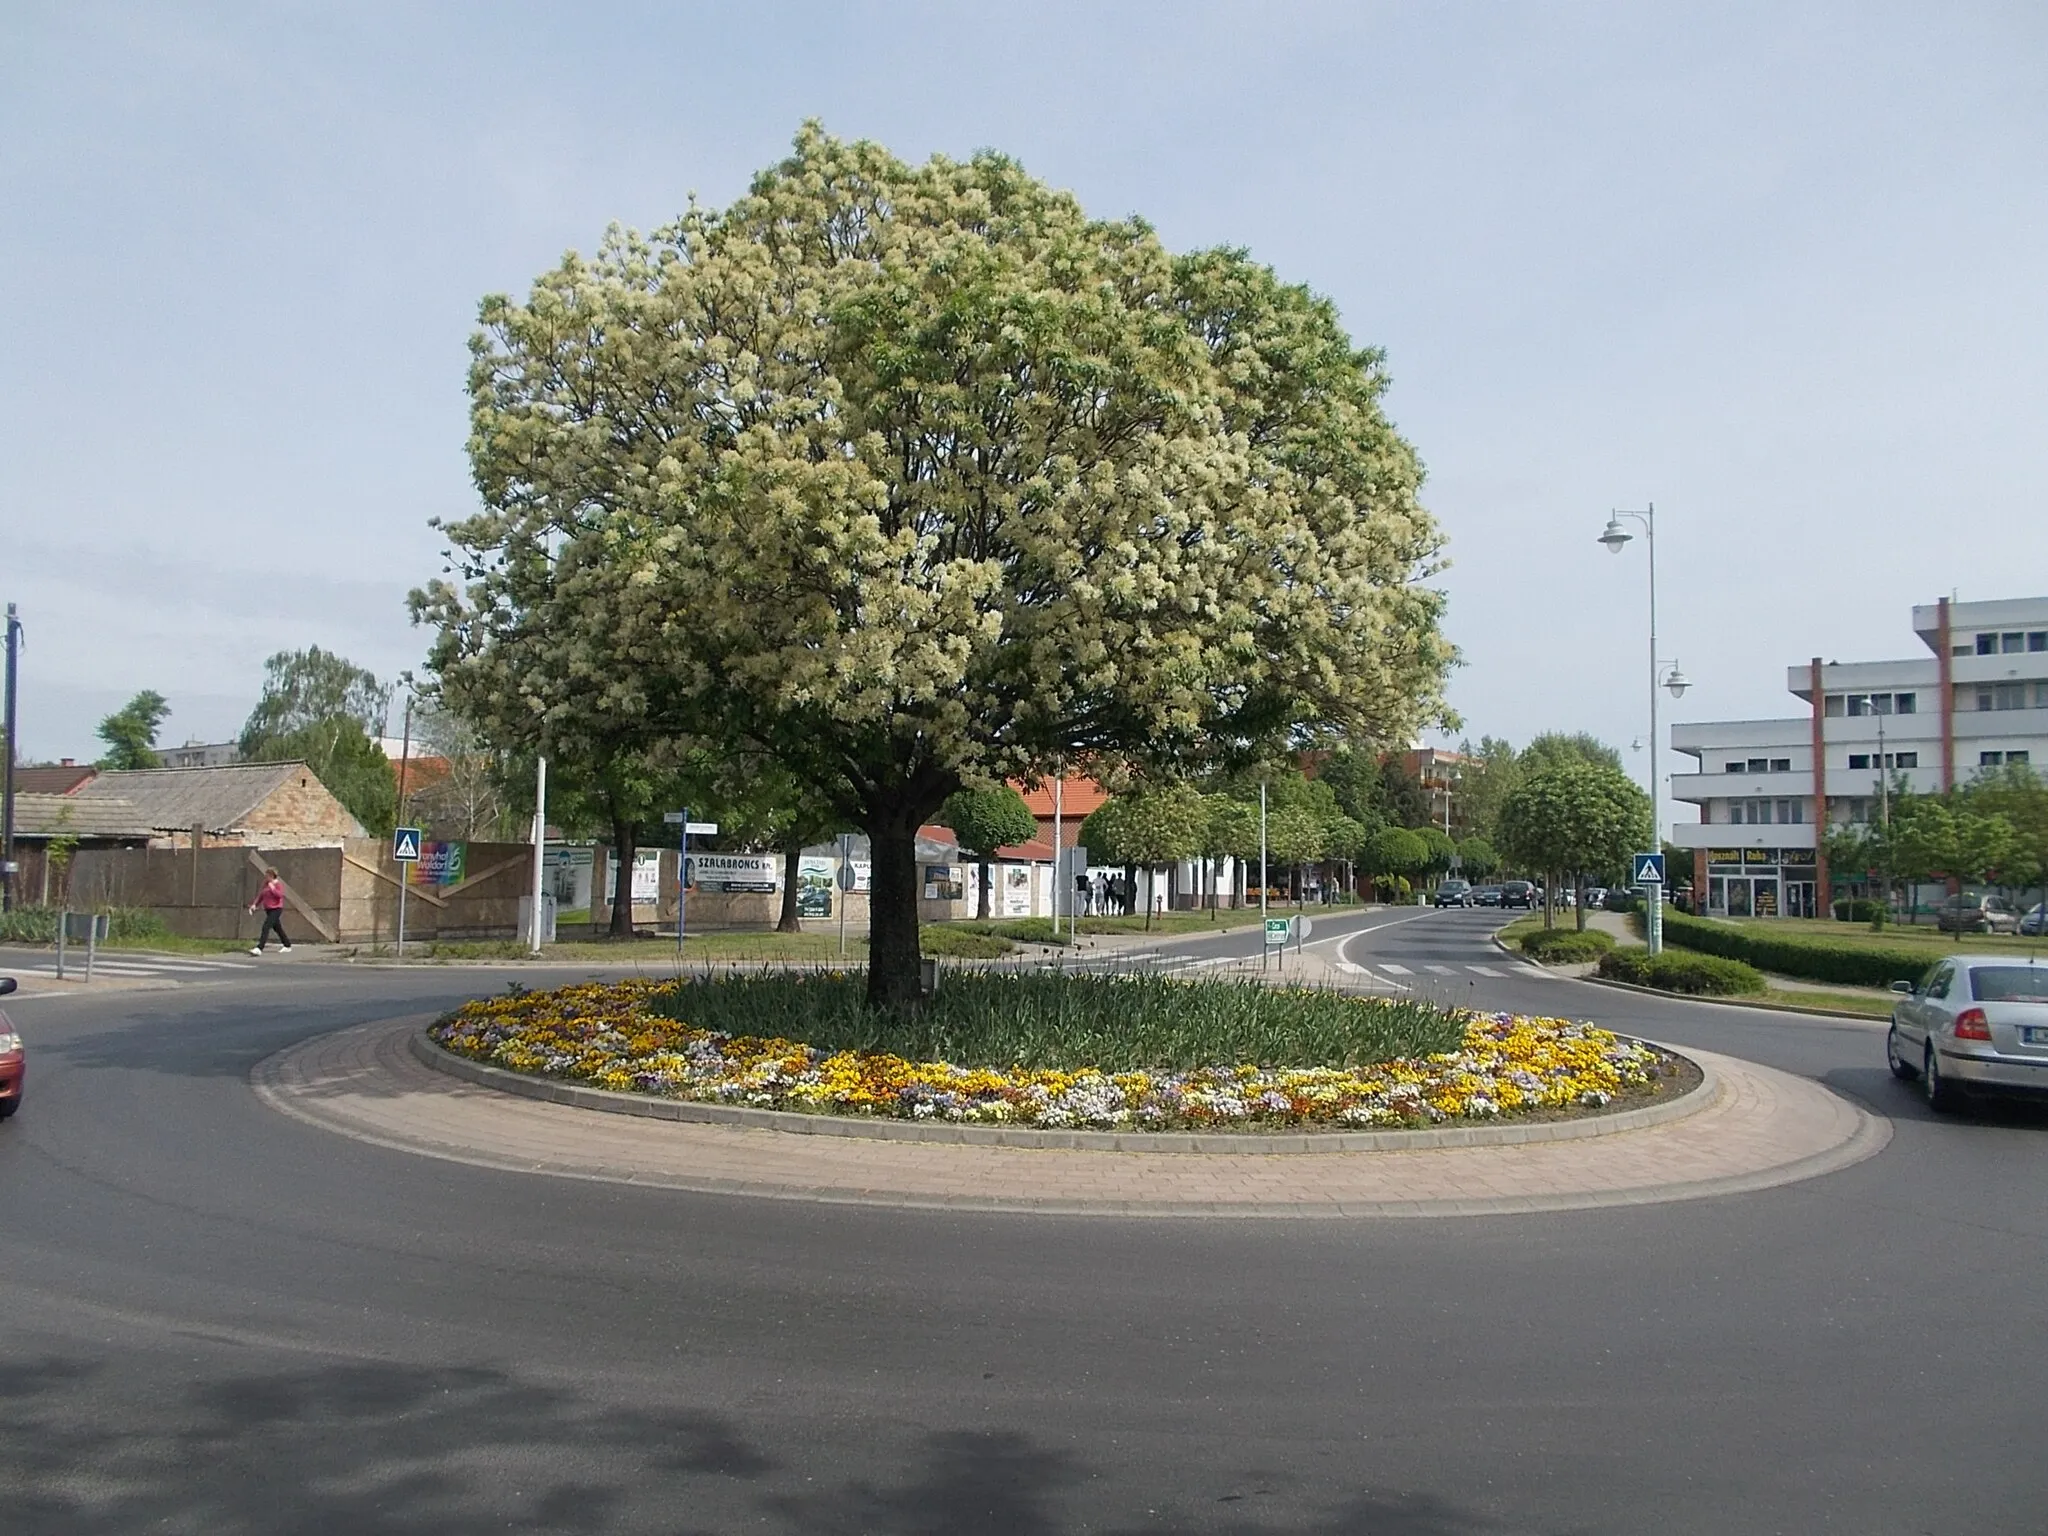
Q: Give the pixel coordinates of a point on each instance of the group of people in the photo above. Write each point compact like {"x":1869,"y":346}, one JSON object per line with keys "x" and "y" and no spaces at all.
{"x":1103,"y":895}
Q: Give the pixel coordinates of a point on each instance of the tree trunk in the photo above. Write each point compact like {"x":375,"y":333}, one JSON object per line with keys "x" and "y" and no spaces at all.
{"x":792,"y":871}
{"x":1579,"y":905}
{"x":1549,"y":900}
{"x":894,"y":974}
{"x":987,"y":873}
{"x":621,"y":925}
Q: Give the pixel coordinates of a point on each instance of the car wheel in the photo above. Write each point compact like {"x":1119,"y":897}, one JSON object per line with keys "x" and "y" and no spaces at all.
{"x":1942,"y":1096}
{"x":8,"y":1107}
{"x":1901,"y":1068}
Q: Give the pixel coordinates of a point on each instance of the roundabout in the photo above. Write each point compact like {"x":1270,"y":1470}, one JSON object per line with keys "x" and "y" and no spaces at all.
{"x":268,"y":1272}
{"x":1745,"y":1127}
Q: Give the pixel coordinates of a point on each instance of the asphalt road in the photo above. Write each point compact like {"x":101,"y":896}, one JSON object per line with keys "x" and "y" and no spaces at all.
{"x":217,"y":1320}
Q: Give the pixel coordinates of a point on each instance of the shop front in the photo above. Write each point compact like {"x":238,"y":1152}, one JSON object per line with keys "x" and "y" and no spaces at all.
{"x":1761,"y":882}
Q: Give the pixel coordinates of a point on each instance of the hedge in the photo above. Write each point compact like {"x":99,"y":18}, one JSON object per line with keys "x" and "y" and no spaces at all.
{"x":1814,"y":959}
{"x":1019,"y":930}
{"x":1859,"y":909}
{"x":1678,"y":971}
{"x":1565,"y":946}
{"x":38,"y":925}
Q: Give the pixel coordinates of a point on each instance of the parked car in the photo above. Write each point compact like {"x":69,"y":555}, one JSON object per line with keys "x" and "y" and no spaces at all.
{"x":13,"y":1060}
{"x":1453,"y":893}
{"x":1976,"y":914}
{"x":1517,"y":893}
{"x":1596,"y":897}
{"x":1486,"y":896}
{"x":1974,"y":1023}
{"x":2035,"y":923}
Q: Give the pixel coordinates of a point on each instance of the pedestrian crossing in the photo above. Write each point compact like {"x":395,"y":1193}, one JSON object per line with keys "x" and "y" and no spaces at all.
{"x":124,"y":965}
{"x":1425,"y":970}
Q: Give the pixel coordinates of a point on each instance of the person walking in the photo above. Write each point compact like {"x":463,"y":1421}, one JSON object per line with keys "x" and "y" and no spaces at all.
{"x":271,"y":900}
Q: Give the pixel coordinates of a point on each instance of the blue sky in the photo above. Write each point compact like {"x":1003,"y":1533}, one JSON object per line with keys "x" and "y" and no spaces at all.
{"x":1777,"y":267}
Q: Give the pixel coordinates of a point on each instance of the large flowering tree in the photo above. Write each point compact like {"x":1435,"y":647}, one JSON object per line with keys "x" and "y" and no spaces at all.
{"x":911,"y":476}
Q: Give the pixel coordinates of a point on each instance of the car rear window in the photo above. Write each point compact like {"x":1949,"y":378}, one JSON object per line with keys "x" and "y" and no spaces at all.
{"x":2009,"y":984}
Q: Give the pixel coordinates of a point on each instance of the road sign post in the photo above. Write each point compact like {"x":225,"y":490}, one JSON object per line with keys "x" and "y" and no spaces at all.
{"x":1649,"y":879}
{"x":702,"y":828}
{"x":405,"y":849}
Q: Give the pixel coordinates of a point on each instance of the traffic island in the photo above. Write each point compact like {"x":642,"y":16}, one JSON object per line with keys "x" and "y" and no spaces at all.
{"x":1741,"y":1127}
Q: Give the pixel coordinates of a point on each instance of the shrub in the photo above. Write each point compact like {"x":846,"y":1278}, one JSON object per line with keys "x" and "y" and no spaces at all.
{"x":1859,"y":909}
{"x":1018,"y":930}
{"x":1565,"y":946}
{"x":1815,"y":959}
{"x":1678,"y":971}
{"x":959,"y":943}
{"x":38,"y":925}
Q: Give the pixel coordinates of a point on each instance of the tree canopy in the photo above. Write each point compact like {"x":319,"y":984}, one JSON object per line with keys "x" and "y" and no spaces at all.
{"x":130,"y":732}
{"x":320,"y":709}
{"x":985,"y":820}
{"x":1574,"y":818}
{"x":911,"y":476}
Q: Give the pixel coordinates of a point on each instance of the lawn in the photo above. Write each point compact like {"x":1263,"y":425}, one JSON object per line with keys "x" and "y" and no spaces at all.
{"x":761,"y":947}
{"x":1871,"y":1004}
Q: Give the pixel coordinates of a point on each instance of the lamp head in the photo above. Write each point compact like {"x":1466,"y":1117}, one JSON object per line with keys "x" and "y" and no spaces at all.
{"x":1615,"y":536}
{"x":1677,"y":682}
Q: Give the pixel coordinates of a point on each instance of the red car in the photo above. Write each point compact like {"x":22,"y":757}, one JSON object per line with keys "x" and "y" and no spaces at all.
{"x":13,"y":1061}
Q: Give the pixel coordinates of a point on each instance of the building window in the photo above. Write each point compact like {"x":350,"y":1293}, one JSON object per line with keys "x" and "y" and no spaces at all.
{"x":2013,"y":642}
{"x":1880,"y":703}
{"x":1987,"y":645}
{"x":2041,"y":695}
{"x":2019,"y":757}
{"x":1781,"y":765}
{"x":2037,"y":640}
{"x":1859,"y":760}
{"x":1990,"y":759}
{"x":1906,"y":703}
{"x":1960,"y":650}
{"x":1905,"y":759}
{"x":1732,"y":767}
{"x":1859,"y":812}
{"x":1859,"y":703}
{"x":1759,"y":765}
{"x":1791,"y":812}
{"x":2003,"y":696}
{"x":1832,"y":706}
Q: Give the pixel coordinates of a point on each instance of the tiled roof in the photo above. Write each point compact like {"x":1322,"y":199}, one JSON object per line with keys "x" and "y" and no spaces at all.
{"x":1078,"y":796}
{"x":178,"y":799}
{"x":43,"y":816}
{"x":53,"y":779}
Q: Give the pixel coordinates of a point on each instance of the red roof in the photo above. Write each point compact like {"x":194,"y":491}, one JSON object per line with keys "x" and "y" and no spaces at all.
{"x":1078,"y":796}
{"x":56,"y":779}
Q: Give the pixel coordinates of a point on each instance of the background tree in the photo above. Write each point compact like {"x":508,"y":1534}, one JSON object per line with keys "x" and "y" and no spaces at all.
{"x":466,"y":799}
{"x":1231,"y":831}
{"x":1442,"y":849}
{"x":1150,"y":826}
{"x":1478,"y":857}
{"x":953,"y":483}
{"x":985,"y":820}
{"x":1394,"y":854}
{"x":320,"y":709}
{"x":1556,"y":749}
{"x":1572,"y":818}
{"x":2018,"y":795}
{"x":1404,"y":802}
{"x":1491,"y":770}
{"x":130,"y":732}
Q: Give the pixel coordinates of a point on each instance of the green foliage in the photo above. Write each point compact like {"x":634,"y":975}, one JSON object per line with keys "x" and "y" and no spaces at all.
{"x":1019,"y":930}
{"x":957,"y":942}
{"x":1492,"y":769}
{"x":1354,"y":782}
{"x":987,"y":819}
{"x":130,"y":732}
{"x":38,"y":925}
{"x":1394,"y":851}
{"x":1441,"y":848}
{"x":353,"y":767}
{"x":1858,"y":909}
{"x":2016,"y":795}
{"x":1574,"y":818}
{"x":1156,"y":824}
{"x":1065,"y":1020}
{"x":1678,"y":971}
{"x":953,"y":484}
{"x":1478,"y":857}
{"x":309,"y":688}
{"x":1564,"y":946}
{"x":1556,"y":749}
{"x":1814,"y":959}
{"x":1403,"y":800}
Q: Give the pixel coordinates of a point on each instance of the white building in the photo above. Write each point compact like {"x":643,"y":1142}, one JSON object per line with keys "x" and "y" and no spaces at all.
{"x":1979,"y":698}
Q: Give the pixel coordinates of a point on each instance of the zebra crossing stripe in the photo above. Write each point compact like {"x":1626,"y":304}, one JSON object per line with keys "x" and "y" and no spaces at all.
{"x":1440,"y":970}
{"x":1395,"y":970}
{"x":1483,"y":970}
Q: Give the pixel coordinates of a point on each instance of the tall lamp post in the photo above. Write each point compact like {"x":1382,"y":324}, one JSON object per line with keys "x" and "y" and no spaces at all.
{"x":1614,"y":537}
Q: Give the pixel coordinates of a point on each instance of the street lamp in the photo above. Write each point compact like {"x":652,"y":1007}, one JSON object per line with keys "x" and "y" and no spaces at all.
{"x":1614,"y":536}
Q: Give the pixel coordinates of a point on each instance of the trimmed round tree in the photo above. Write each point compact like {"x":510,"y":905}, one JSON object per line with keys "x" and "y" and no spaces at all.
{"x":1574,"y":817}
{"x":985,"y":820}
{"x":916,"y":476}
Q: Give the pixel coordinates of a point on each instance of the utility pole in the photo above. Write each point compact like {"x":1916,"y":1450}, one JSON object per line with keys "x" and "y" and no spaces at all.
{"x":1262,"y":873}
{"x":7,"y":866}
{"x":540,"y":843}
{"x":404,"y":871}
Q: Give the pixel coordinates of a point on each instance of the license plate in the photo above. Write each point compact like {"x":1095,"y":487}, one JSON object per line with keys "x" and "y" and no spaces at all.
{"x":2034,"y":1035}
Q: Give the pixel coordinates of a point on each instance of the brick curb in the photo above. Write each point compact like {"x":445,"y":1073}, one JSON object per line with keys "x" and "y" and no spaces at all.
{"x":553,"y":1091}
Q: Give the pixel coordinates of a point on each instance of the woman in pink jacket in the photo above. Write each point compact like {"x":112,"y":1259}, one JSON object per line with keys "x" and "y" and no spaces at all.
{"x":271,"y":900}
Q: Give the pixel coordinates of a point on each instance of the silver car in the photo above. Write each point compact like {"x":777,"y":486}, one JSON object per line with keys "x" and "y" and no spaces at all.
{"x":1974,"y":1023}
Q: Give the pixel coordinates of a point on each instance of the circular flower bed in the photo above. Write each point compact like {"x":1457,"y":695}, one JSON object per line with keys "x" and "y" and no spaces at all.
{"x":606,"y":1034}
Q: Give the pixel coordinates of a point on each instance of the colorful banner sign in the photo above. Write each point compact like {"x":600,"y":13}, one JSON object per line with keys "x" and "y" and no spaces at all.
{"x":439,"y":864}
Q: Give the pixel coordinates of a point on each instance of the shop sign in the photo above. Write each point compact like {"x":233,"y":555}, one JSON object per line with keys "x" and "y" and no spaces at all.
{"x":942,"y":882}
{"x":756,"y":872}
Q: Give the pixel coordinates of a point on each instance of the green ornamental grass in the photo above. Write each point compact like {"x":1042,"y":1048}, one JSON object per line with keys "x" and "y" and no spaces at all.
{"x":1051,"y":1021}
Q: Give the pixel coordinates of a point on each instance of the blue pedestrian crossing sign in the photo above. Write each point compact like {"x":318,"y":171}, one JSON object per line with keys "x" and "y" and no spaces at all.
{"x":1649,"y":869}
{"x":405,"y":845}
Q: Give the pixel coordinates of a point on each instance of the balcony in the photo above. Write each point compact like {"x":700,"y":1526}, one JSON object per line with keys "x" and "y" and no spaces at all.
{"x":1697,"y":788}
{"x":1696,"y":834}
